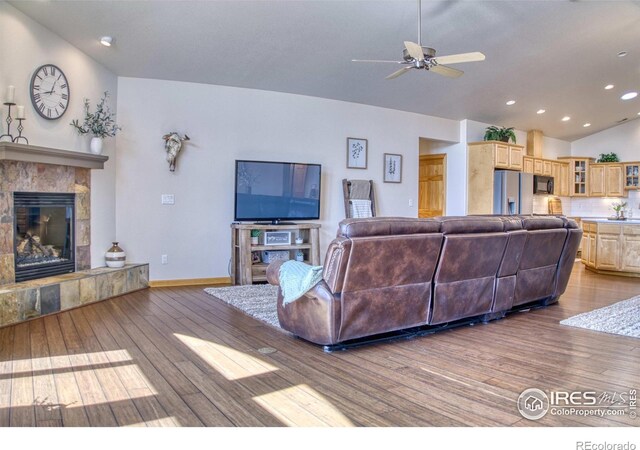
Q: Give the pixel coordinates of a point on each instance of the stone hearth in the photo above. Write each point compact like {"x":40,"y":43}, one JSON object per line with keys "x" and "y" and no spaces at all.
{"x":35,"y":298}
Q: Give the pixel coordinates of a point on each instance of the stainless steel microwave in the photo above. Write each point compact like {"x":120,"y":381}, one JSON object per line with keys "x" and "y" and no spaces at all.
{"x":542,"y":185}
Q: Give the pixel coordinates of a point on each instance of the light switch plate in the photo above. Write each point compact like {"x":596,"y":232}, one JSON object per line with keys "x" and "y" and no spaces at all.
{"x":168,"y":199}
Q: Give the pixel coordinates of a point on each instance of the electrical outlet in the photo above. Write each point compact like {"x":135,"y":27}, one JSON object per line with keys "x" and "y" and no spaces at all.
{"x":410,"y":202}
{"x":168,"y":199}
{"x":165,"y":259}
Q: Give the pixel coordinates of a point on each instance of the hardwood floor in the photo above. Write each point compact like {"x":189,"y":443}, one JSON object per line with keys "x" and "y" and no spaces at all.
{"x":178,"y":357}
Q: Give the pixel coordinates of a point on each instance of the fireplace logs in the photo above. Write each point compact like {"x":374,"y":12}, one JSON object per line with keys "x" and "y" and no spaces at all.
{"x":29,"y":250}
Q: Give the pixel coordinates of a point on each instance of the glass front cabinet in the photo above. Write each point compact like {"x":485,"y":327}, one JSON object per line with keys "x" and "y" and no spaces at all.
{"x":579,"y":171}
{"x":631,"y":176}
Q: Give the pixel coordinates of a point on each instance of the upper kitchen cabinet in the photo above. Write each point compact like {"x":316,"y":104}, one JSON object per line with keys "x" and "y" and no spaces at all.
{"x":505,"y":155}
{"x":578,"y":176}
{"x":631,"y":177}
{"x":606,"y":180}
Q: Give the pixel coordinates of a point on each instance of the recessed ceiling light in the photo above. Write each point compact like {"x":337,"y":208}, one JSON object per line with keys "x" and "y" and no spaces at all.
{"x":511,"y":102}
{"x":622,"y":53}
{"x":608,"y":86}
{"x":566,"y":118}
{"x":586,"y":125}
{"x":629,"y":95}
{"x":106,"y":41}
{"x":542,"y":111}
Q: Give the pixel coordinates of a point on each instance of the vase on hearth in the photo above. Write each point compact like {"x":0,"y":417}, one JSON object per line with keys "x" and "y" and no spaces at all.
{"x":115,"y":256}
{"x":96,"y":145}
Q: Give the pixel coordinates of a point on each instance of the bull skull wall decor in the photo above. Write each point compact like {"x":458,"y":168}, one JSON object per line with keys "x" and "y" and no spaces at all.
{"x":173,"y":145}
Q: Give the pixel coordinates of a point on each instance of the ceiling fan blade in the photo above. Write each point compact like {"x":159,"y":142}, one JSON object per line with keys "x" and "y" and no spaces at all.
{"x":378,"y":61}
{"x":446,"y":71}
{"x":460,"y":58}
{"x":397,"y":73}
{"x":414,"y":50}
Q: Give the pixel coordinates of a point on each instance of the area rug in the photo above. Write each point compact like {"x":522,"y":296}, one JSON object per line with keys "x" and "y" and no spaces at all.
{"x":258,"y":300}
{"x":620,"y":318}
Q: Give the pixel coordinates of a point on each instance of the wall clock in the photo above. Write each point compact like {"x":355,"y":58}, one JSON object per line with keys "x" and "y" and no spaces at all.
{"x":49,"y":92}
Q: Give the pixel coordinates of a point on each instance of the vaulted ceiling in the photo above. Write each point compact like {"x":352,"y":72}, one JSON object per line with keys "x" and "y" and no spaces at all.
{"x":552,"y":55}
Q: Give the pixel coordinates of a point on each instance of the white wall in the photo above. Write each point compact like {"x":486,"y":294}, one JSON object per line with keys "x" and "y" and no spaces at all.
{"x":624,"y":140}
{"x":226,"y":124}
{"x":26,"y":45}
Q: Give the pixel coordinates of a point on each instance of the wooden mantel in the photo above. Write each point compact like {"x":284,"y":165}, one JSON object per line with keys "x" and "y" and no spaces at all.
{"x":45,"y":155}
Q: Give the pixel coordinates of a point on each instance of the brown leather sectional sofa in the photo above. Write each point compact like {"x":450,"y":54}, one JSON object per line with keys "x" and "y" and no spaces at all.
{"x":386,"y":274}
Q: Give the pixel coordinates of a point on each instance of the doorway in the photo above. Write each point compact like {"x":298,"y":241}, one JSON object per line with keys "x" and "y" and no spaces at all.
{"x":432,"y":185}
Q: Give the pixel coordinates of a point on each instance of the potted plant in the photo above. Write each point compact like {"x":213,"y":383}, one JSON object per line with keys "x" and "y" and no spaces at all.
{"x":619,"y":209}
{"x":499,"y":134}
{"x":608,"y":157}
{"x":254,"y":237}
{"x":101,"y":123}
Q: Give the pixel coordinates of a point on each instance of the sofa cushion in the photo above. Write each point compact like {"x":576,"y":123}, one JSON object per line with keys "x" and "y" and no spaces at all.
{"x":470,"y":224}
{"x":386,"y":226}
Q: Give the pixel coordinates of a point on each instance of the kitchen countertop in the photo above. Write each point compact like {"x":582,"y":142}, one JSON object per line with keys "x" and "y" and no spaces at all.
{"x":605,"y":220}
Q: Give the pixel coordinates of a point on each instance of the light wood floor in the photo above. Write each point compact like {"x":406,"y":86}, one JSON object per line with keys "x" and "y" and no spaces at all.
{"x":178,"y":357}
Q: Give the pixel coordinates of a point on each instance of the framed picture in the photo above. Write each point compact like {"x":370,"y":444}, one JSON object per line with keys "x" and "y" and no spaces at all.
{"x":356,"y":153}
{"x":392,"y":168}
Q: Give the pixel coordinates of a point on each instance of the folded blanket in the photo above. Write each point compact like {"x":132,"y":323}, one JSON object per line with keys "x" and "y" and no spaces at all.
{"x":360,"y":189}
{"x":296,"y":278}
{"x":360,"y":209}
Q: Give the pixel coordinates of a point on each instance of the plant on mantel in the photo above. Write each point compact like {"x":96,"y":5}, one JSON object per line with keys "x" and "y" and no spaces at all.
{"x":101,"y":123}
{"x":500,"y":134}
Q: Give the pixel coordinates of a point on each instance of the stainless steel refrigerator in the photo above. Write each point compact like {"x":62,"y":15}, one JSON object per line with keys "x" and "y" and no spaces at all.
{"x":512,"y":192}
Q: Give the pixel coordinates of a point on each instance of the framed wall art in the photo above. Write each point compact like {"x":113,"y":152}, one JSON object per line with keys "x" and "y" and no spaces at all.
{"x":356,"y":153}
{"x":392,"y":168}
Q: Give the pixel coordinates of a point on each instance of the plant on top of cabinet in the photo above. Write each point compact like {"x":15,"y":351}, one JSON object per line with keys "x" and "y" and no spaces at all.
{"x":608,"y":157}
{"x":500,"y":134}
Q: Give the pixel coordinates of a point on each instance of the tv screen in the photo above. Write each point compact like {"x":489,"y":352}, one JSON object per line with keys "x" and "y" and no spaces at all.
{"x":277,"y":191}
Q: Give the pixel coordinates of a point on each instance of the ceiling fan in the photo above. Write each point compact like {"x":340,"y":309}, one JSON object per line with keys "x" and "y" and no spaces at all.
{"x":415,"y":56}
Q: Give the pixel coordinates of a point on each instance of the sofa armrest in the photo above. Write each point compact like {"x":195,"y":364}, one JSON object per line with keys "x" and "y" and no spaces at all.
{"x":273,"y":272}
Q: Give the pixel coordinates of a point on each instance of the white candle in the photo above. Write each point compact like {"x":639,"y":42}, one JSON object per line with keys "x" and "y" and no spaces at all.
{"x":11,"y":92}
{"x":20,"y":113}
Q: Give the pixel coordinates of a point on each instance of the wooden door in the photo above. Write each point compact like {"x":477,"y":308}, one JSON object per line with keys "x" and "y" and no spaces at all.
{"x":515,"y":158}
{"x":502,"y":156}
{"x":564,"y":180}
{"x":614,"y":180}
{"x":597,"y":187}
{"x":431,"y":186}
{"x":527,"y":164}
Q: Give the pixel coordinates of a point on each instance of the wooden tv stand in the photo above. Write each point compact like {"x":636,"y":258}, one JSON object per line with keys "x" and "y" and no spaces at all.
{"x":244,"y":270}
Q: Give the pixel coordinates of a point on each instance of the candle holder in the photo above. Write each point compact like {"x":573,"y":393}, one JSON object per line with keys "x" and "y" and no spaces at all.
{"x":8,"y":120}
{"x":20,"y":136}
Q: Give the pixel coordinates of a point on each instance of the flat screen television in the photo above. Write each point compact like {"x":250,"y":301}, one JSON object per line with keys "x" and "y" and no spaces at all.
{"x":277,"y":191}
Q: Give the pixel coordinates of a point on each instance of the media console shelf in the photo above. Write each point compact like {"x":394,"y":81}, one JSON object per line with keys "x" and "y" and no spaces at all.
{"x":247,"y":266}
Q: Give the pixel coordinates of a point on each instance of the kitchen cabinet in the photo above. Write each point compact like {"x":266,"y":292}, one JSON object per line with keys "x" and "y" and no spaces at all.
{"x":631,"y":177}
{"x":537,"y":166}
{"x":527,"y":164}
{"x":612,"y":248}
{"x":564,"y":180}
{"x":546,"y":168}
{"x":505,"y":156}
{"x":578,"y":176}
{"x":606,"y":180}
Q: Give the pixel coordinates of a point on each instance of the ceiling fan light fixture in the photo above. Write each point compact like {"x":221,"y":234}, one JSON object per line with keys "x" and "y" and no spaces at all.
{"x":629,"y":95}
{"x":106,"y":41}
{"x":566,"y":118}
{"x":511,"y":102}
{"x":541,"y":111}
{"x":609,"y":87}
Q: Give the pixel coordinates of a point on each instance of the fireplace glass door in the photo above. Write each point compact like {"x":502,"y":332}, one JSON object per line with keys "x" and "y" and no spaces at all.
{"x":44,"y":234}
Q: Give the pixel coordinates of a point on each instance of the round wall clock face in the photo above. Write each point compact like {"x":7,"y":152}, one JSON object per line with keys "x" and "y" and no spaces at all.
{"x":49,"y":91}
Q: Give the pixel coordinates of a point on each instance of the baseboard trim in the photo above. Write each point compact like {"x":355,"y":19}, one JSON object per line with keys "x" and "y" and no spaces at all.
{"x":190,"y":282}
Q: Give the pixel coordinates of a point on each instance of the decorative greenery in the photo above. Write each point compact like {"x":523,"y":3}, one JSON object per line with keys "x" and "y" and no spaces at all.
{"x":101,"y":123}
{"x":608,"y":157}
{"x":255,"y":233}
{"x":617,"y":207}
{"x":500,"y":134}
